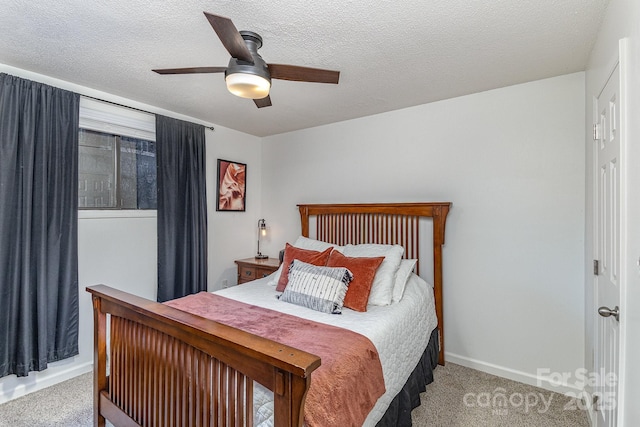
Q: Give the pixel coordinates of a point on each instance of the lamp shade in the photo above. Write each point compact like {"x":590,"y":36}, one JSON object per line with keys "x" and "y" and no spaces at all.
{"x":247,"y":85}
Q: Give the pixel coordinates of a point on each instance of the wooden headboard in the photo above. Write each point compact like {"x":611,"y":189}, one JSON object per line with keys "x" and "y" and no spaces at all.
{"x":386,"y":223}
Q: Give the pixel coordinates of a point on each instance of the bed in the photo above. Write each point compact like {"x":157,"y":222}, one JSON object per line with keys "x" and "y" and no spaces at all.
{"x":155,"y":364}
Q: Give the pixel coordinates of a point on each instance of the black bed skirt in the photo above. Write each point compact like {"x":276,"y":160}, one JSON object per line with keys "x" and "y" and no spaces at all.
{"x":399,"y":412}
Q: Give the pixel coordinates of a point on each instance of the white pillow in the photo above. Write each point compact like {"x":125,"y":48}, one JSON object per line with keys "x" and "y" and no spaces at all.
{"x":382,"y":287}
{"x":275,"y":276}
{"x":313,"y":245}
{"x":303,"y":243}
{"x":402,"y":275}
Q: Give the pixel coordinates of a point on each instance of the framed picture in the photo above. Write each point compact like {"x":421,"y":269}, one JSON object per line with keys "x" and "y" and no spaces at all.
{"x":232,"y":186}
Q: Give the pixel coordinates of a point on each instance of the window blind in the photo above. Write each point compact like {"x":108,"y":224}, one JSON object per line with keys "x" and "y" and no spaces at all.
{"x":117,"y":120}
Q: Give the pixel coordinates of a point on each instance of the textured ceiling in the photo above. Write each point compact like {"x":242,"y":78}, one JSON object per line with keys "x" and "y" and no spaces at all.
{"x":391,"y":54}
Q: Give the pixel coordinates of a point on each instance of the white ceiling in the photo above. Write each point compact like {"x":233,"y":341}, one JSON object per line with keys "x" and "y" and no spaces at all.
{"x":391,"y":54}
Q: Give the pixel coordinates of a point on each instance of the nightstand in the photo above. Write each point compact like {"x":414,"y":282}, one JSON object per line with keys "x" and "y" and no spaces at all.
{"x":251,"y":269}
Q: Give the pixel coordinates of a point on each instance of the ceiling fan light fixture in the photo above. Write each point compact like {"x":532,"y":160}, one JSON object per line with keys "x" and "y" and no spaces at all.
{"x":247,"y":85}
{"x":248,"y":75}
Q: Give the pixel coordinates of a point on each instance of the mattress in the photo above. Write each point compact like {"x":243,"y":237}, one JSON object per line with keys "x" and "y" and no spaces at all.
{"x":399,"y":331}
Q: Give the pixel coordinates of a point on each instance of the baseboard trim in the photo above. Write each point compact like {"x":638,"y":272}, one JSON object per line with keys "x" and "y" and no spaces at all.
{"x":38,"y":381}
{"x":515,"y":375}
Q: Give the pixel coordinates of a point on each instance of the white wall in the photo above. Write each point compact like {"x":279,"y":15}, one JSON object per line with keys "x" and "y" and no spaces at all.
{"x":512,"y":162}
{"x":119,"y":249}
{"x":622,"y":20}
{"x":232,"y":235}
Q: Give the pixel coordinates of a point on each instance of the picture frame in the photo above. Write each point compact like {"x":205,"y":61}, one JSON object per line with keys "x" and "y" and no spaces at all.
{"x":231,"y":195}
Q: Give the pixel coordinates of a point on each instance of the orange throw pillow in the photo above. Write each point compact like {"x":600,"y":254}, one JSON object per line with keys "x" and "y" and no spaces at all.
{"x":363,"y":270}
{"x":304,"y":255}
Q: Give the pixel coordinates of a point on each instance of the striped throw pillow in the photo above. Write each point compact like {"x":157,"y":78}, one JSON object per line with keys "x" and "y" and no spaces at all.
{"x":318,"y":288}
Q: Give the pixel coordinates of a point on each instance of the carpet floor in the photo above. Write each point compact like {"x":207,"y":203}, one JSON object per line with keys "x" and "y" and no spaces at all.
{"x":459,"y":397}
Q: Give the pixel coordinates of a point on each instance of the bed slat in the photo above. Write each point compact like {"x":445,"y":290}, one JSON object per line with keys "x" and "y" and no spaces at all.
{"x":341,"y":229}
{"x":136,"y":358}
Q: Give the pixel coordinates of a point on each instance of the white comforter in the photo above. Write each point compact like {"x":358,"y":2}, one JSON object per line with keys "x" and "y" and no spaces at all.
{"x":400,"y":331}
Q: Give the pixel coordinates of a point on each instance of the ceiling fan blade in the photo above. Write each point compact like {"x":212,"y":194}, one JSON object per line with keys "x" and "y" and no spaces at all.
{"x":303,"y":74}
{"x":230,"y":37}
{"x":192,"y":70}
{"x":264,"y":102}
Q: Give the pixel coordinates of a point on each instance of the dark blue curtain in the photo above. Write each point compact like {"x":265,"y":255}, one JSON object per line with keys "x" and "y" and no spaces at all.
{"x":182,"y":208}
{"x":38,"y":225}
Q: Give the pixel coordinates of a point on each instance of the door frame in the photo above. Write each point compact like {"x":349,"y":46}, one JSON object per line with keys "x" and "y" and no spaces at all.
{"x":625,"y":53}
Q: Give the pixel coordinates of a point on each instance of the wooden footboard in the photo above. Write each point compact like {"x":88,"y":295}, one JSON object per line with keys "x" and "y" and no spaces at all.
{"x":172,"y":368}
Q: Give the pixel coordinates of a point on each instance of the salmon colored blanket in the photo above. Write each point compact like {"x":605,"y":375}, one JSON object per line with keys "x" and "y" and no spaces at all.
{"x":347,"y":384}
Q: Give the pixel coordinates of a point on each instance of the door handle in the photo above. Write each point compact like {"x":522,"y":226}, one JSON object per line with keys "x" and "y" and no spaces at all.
{"x":606,"y":312}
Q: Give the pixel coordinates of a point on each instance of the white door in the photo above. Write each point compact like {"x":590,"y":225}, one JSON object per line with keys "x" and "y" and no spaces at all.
{"x":607,"y":251}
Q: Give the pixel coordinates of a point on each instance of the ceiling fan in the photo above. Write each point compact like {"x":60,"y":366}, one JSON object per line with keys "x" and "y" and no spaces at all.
{"x":248,"y":75}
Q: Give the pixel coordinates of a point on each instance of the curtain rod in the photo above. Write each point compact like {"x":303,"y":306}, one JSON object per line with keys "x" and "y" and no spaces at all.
{"x":133,"y":108}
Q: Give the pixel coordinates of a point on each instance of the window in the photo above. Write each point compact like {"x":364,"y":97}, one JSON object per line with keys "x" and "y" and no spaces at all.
{"x":117,"y":157}
{"x":116,"y":172}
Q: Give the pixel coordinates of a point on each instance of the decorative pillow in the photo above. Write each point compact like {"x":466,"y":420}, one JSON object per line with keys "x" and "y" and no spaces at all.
{"x":318,"y":288}
{"x":402,"y":276}
{"x":305,"y":255}
{"x":303,"y":243}
{"x":382,"y":288}
{"x":363,"y":270}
